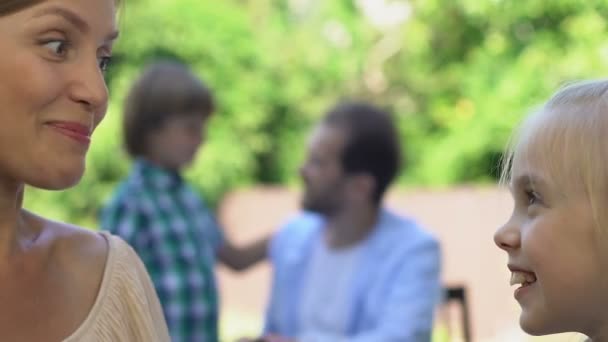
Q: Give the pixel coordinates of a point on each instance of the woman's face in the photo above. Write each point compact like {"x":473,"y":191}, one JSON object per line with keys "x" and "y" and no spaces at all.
{"x":52,"y":88}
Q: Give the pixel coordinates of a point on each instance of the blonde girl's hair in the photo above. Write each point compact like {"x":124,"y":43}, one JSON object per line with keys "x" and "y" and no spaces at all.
{"x":568,"y":138}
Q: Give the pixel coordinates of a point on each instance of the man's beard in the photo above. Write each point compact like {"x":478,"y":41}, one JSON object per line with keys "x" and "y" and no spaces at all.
{"x":322,"y":205}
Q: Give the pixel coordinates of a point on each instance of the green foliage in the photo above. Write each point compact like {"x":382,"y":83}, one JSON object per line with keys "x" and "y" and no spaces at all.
{"x":458,"y":75}
{"x":471,"y":69}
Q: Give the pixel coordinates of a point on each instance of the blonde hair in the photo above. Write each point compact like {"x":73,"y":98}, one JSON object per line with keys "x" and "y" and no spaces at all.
{"x":565,"y":136}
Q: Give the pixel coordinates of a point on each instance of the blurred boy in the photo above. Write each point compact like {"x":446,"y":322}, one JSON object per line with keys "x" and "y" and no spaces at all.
{"x":159,"y":214}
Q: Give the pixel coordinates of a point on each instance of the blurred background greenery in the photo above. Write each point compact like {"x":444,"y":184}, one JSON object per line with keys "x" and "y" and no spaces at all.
{"x":458,"y":75}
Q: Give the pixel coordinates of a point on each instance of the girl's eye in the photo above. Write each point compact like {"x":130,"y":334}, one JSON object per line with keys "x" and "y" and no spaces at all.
{"x":532,"y":197}
{"x":104,"y":63}
{"x":58,"y":47}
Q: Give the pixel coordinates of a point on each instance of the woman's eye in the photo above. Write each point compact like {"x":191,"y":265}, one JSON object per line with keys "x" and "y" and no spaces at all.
{"x":58,"y":47}
{"x":104,"y":63}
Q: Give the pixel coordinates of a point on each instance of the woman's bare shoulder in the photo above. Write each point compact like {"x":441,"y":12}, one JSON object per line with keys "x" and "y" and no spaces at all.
{"x":85,"y":251}
{"x":76,"y":259}
{"x":81,"y":252}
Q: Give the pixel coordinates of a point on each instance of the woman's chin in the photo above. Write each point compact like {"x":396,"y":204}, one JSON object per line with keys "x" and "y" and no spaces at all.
{"x":59,"y":180}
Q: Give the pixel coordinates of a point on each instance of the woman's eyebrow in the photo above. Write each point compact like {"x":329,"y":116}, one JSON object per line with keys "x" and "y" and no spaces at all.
{"x":112,"y":36}
{"x":66,"y":14}
{"x":74,"y":19}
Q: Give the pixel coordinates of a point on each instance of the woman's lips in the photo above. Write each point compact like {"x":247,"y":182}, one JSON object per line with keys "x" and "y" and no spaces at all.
{"x":77,"y":131}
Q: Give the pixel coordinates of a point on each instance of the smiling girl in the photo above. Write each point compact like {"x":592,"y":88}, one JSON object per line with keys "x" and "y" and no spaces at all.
{"x":556,"y":237}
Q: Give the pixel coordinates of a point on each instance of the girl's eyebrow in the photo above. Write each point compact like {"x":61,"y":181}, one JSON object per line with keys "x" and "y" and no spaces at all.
{"x":527,"y":180}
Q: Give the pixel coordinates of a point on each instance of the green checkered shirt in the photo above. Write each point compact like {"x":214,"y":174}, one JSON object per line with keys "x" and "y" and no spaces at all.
{"x":177,"y":238}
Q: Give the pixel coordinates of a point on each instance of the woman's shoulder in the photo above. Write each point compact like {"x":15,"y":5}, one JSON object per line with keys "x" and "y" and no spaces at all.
{"x":127,"y":292}
{"x":123,"y":287}
{"x":80,"y":254}
{"x":93,"y":260}
{"x":92,"y":254}
{"x":88,"y":246}
{"x":82,"y":246}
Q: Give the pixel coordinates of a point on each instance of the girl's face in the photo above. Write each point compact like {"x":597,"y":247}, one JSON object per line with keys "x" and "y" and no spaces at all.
{"x":554,"y":257}
{"x":52,"y":88}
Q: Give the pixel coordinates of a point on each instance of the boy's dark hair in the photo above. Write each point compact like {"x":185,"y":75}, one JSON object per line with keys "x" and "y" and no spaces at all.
{"x":372,"y":143}
{"x":165,"y":89}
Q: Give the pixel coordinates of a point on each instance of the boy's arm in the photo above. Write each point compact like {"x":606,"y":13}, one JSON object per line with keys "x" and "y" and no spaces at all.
{"x":239,"y":258}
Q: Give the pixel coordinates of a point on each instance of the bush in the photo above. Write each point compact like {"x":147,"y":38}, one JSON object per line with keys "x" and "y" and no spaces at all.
{"x":457,"y":74}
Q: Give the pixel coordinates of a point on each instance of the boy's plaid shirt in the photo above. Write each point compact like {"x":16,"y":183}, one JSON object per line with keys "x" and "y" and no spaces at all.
{"x":177,"y":238}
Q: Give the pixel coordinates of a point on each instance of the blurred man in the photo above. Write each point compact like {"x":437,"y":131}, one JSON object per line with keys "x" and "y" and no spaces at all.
{"x":348,"y":269}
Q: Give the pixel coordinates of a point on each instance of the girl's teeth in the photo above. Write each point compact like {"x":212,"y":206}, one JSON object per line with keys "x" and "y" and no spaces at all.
{"x":522,"y":277}
{"x":517,"y":278}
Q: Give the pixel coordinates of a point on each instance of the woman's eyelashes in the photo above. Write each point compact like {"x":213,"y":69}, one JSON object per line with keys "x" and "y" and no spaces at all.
{"x":60,"y":48}
{"x":104,"y":63}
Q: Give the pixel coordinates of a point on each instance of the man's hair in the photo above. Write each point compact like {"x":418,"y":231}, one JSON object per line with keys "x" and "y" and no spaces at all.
{"x":372,"y":143}
{"x":165,"y":89}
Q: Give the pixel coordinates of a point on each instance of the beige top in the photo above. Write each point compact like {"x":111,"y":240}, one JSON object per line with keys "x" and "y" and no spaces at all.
{"x":127,"y":307}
